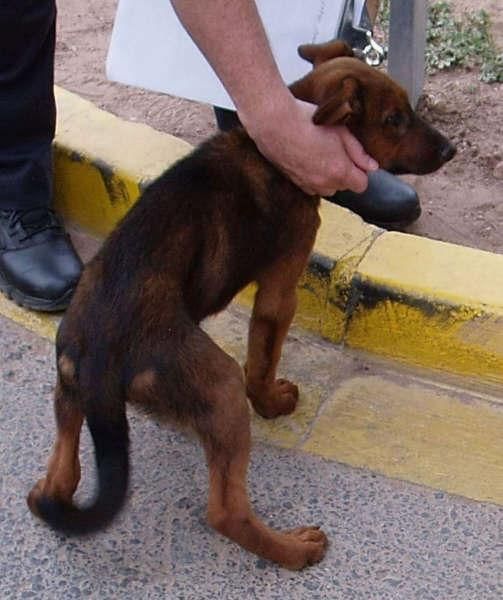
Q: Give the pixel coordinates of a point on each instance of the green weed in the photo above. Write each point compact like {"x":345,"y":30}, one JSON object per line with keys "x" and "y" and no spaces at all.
{"x":453,"y":42}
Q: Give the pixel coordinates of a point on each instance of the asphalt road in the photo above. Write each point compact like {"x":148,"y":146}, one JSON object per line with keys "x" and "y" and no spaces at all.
{"x":388,"y":539}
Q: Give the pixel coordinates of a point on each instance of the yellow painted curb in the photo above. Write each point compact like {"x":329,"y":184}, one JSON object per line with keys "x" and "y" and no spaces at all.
{"x":102,"y":162}
{"x":425,"y":302}
{"x":430,"y":303}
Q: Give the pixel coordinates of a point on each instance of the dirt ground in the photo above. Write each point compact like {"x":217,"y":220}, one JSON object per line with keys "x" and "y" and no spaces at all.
{"x":463,"y":203}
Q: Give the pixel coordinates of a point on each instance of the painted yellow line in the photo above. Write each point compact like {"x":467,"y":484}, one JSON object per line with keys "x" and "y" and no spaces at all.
{"x":416,"y":433}
{"x":445,"y":438}
{"x":43,"y":324}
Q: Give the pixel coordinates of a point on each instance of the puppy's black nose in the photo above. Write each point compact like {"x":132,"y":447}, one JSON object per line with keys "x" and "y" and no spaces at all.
{"x":447,"y":152}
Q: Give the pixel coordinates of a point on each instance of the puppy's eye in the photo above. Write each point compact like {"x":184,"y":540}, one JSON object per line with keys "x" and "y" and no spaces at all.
{"x":394,"y":120}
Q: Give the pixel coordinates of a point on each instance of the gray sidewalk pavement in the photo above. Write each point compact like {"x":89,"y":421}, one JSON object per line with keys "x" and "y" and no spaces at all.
{"x":388,"y":539}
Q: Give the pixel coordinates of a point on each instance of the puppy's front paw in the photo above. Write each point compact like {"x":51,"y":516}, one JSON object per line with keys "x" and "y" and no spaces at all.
{"x":274,"y":400}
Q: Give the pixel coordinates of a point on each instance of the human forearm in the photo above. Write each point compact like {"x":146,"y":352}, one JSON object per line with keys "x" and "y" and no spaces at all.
{"x":231,"y":36}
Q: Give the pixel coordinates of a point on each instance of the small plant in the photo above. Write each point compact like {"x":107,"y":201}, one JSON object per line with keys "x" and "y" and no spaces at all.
{"x":467,"y":42}
{"x":452,"y":42}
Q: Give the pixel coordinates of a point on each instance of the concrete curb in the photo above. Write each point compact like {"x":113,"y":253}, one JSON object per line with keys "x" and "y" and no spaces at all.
{"x":424,"y":302}
{"x":102,"y":162}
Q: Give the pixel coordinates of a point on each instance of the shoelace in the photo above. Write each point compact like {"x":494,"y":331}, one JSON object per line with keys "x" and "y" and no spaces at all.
{"x":30,"y":221}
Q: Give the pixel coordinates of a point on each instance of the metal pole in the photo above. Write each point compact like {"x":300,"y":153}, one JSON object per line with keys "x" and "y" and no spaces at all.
{"x":407,"y":43}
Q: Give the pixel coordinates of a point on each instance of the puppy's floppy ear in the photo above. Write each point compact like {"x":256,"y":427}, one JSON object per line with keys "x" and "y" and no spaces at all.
{"x":342,"y":104}
{"x":319,"y":53}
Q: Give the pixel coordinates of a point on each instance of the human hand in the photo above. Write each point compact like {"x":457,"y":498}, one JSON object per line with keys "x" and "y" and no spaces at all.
{"x":319,"y":159}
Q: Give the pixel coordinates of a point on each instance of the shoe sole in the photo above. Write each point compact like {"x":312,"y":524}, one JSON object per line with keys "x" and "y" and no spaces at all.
{"x":398,"y":224}
{"x":32,"y":302}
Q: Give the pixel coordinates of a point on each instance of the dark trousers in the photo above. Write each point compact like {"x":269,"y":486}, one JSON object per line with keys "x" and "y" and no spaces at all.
{"x":226,"y":119}
{"x":27,"y":107}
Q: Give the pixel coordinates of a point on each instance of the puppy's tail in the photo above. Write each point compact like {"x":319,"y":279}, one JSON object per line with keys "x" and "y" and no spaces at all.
{"x":111,"y":442}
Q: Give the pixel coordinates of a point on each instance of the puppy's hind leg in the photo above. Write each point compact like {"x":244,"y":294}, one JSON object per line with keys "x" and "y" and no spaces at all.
{"x":225,"y":432}
{"x":63,"y":473}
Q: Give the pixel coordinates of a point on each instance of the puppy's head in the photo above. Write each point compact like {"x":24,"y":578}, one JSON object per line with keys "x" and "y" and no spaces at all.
{"x":374,"y":108}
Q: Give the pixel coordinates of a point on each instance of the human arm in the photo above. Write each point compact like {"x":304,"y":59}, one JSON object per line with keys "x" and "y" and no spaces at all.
{"x":319,"y":159}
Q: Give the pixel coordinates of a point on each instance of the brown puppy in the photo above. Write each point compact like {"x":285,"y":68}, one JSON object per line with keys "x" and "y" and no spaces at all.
{"x":217,"y":220}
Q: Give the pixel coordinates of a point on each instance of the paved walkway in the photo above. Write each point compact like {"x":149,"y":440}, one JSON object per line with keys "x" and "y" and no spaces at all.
{"x":389,"y":539}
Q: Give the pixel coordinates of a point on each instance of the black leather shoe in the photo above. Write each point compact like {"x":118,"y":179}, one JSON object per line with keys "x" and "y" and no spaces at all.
{"x":39,"y":267}
{"x":387,"y":202}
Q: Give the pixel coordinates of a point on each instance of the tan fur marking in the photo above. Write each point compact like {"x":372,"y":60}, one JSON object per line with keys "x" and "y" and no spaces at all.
{"x":141,"y":385}
{"x":66,"y":369}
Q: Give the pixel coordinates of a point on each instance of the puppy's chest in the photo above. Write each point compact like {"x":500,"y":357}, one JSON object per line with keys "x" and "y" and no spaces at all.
{"x":236,"y":256}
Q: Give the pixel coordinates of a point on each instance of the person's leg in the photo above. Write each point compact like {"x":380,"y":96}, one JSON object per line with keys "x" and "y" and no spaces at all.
{"x":226,"y":119}
{"x":38,"y":265}
{"x":373,"y":9}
